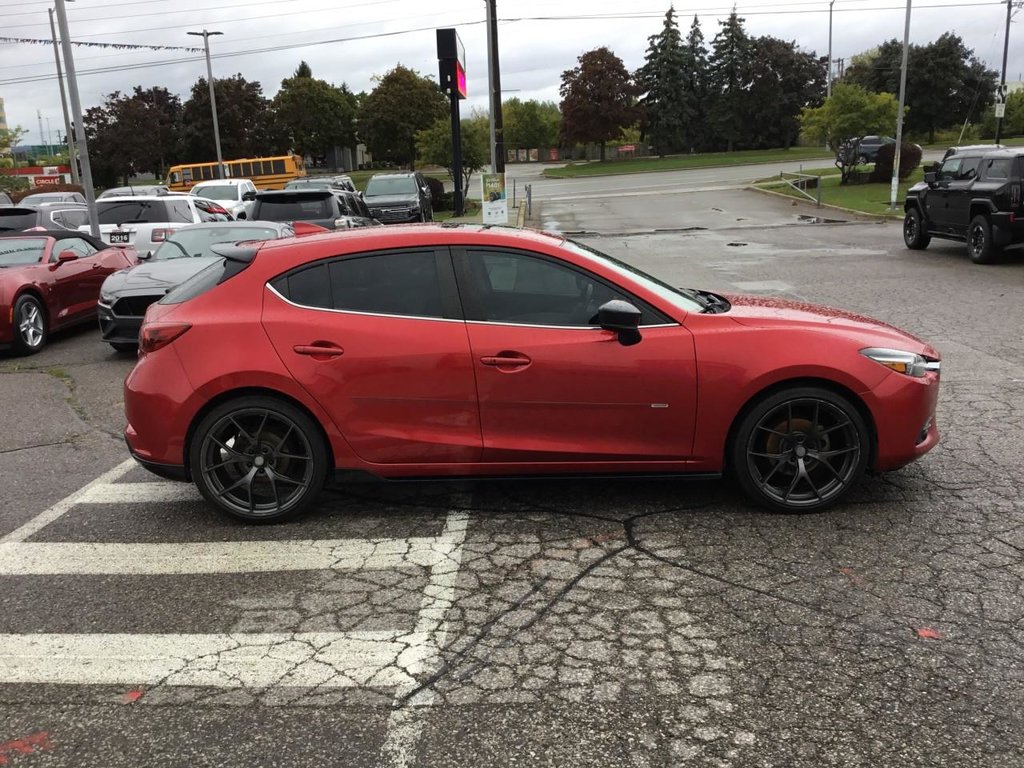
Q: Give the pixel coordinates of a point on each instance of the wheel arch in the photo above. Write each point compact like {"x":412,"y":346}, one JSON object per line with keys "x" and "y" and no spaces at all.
{"x":803,"y":381}
{"x":33,"y":290}
{"x":233,"y":394}
{"x":981,"y":208}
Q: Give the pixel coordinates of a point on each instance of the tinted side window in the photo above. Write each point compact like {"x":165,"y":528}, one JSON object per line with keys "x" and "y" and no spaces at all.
{"x":524,"y":289}
{"x":950,"y":168}
{"x":968,"y":169}
{"x":278,"y":166}
{"x":404,"y":283}
{"x":998,"y":168}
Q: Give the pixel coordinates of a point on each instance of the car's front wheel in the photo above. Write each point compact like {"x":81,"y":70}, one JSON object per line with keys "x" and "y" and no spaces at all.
{"x":800,"y":449}
{"x":980,"y":245}
{"x":915,"y":230}
{"x":29,"y":325}
{"x":258,"y":459}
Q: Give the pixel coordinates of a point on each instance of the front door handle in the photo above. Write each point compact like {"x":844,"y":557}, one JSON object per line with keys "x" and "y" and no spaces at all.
{"x":318,"y":349}
{"x":510,"y":361}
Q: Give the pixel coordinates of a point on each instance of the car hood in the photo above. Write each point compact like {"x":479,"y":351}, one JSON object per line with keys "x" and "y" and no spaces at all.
{"x":382,"y":201}
{"x":156,"y":275}
{"x":767,"y":311}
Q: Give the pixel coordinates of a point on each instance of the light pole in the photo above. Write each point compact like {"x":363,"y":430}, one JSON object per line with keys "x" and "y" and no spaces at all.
{"x":213,"y":99}
{"x":1002,"y":77}
{"x":76,"y":108}
{"x":899,"y":114}
{"x":828,"y":81}
{"x":72,"y":161}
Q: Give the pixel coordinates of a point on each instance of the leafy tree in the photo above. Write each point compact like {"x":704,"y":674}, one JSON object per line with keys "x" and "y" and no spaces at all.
{"x":530,"y":124}
{"x":849,"y":113}
{"x":946,"y":84}
{"x":246,"y":122}
{"x":598,"y":99}
{"x":11,"y":137}
{"x":698,"y":80}
{"x":1013,"y":120}
{"x":313,"y":114}
{"x":667,"y":104}
{"x":784,"y":81}
{"x":435,"y":147}
{"x":103,"y":133}
{"x":402,"y":104}
{"x":730,"y":77}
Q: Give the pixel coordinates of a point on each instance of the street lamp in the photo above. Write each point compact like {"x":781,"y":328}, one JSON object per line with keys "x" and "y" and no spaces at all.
{"x":828,"y":86}
{"x":213,"y":99}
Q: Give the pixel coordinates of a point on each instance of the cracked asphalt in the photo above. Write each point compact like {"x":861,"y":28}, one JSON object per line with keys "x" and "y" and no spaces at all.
{"x":559,"y":623}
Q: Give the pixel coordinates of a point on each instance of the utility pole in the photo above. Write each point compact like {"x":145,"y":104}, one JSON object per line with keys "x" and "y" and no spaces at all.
{"x":76,"y":108}
{"x":42,"y":136}
{"x":213,"y":99}
{"x":72,"y":161}
{"x":899,"y":115}
{"x":828,"y":86}
{"x":1002,"y":78}
{"x":494,"y":83}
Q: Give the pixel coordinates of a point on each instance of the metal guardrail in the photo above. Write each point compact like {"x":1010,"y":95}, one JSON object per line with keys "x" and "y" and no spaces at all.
{"x":800,"y":181}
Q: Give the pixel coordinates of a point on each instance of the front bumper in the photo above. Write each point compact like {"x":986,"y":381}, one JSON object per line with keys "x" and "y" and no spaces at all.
{"x":118,"y":327}
{"x":904,"y":414}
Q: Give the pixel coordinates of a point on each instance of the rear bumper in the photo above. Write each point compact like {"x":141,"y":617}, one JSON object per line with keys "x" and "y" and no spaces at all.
{"x":166,"y":471}
{"x":1008,"y":228}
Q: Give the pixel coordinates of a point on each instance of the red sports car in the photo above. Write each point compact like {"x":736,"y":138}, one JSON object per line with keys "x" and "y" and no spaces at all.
{"x":438,"y":351}
{"x":50,"y":280}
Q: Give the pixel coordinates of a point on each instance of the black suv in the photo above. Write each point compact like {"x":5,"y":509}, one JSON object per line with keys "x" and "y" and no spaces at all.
{"x":317,"y":206}
{"x":975,"y":197}
{"x":399,"y":197}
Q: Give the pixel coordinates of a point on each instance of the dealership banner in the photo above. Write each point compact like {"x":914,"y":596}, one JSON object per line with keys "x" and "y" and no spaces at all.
{"x":494,"y":199}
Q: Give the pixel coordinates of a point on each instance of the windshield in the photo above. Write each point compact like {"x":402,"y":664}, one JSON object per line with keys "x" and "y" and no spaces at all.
{"x":52,"y":197}
{"x":15,"y":251}
{"x":391,"y":185}
{"x":217,"y":191}
{"x":147,"y":211}
{"x":196,"y":242}
{"x":296,"y":209}
{"x":678,"y":297}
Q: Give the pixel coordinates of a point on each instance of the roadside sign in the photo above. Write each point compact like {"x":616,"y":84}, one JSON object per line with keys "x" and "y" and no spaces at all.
{"x":495,"y":202}
{"x":1001,"y":109}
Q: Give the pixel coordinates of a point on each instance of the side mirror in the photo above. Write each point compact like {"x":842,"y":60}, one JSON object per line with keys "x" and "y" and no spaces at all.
{"x":247,"y":196}
{"x":146,"y":256}
{"x":64,"y":256}
{"x":623,"y":318}
{"x":930,"y":177}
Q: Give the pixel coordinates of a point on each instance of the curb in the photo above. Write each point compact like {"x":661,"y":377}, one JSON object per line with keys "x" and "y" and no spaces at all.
{"x":669,"y":170}
{"x":879,"y":216}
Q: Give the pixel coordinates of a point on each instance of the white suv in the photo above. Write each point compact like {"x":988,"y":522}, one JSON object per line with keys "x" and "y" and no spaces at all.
{"x":237,"y":195}
{"x":145,"y":221}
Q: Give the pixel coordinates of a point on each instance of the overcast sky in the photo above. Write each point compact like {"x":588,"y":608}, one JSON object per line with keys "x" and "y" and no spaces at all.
{"x":368,"y":37}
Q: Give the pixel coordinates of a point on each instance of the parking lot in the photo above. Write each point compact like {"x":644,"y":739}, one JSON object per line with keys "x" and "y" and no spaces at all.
{"x":562,"y":623}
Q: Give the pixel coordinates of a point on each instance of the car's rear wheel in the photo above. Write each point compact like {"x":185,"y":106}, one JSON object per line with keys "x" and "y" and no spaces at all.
{"x":800,"y":449}
{"x":259,"y":459}
{"x":915,"y":231}
{"x":980,"y":245}
{"x":29,"y":325}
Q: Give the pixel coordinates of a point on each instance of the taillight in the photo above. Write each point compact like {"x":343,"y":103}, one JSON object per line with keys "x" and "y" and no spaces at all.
{"x":156,"y":335}
{"x":1016,"y":192}
{"x":159,"y":235}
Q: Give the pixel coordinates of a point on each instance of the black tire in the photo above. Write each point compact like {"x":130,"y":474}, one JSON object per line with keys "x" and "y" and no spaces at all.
{"x":980,"y":246}
{"x":125,"y":348}
{"x":29,"y":325}
{"x":800,"y":449}
{"x":258,"y":459}
{"x":863,"y":160}
{"x":915,"y":230}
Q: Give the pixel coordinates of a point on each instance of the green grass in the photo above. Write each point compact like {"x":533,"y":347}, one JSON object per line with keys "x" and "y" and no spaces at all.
{"x":866,"y":198}
{"x":679,"y":162}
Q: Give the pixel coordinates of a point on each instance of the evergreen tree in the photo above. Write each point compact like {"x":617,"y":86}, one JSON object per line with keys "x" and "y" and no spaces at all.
{"x":730,"y":75}
{"x":667,"y":104}
{"x":697,"y":84}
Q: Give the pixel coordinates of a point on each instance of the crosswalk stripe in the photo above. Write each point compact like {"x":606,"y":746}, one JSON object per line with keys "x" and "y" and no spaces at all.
{"x":322,"y":659}
{"x":117,"y":493}
{"x":60,"y":558}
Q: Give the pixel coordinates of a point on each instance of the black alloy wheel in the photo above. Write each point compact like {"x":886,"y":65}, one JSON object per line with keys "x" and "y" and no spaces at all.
{"x":800,"y":450}
{"x":258,"y":459}
{"x":915,"y":233}
{"x":980,"y":245}
{"x":29,"y":320}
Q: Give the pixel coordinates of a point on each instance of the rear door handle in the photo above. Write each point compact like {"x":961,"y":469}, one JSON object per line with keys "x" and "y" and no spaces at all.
{"x":506,"y":361}
{"x":318,"y":349}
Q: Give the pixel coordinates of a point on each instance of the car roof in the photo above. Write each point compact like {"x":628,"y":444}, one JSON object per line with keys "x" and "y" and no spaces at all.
{"x":239,"y":224}
{"x":305,"y":194}
{"x":207,"y":182}
{"x":139,"y":198}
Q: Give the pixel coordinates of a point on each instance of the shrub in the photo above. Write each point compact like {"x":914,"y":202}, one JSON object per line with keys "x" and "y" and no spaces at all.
{"x":13,"y":184}
{"x":910,"y":158}
{"x":17,"y":196}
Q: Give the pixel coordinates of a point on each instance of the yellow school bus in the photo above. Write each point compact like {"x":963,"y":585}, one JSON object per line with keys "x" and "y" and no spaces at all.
{"x":265,"y":172}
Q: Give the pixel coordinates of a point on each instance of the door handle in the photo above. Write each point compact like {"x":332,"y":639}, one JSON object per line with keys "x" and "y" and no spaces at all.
{"x":512,"y":362}
{"x":318,"y":349}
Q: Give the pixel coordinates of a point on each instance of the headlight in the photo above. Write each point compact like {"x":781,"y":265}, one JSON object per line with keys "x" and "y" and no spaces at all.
{"x":907,"y":363}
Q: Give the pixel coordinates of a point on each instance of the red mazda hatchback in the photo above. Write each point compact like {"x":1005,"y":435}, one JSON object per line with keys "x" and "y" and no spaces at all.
{"x":439,"y":351}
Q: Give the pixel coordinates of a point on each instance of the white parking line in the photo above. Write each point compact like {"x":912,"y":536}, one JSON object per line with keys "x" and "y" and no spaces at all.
{"x":325,"y":659}
{"x":60,"y":558}
{"x":141,"y":493}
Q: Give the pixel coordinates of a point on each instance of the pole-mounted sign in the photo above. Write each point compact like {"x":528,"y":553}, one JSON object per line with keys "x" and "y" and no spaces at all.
{"x":451,"y":60}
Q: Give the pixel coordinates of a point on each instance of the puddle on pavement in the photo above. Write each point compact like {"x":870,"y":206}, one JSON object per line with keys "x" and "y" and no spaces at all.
{"x":803,"y":218}
{"x":736,"y":245}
